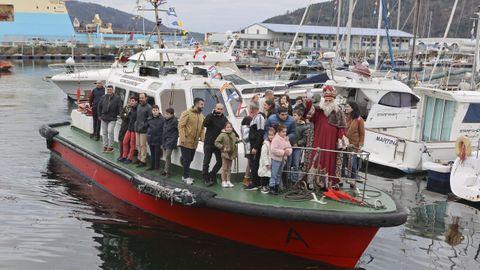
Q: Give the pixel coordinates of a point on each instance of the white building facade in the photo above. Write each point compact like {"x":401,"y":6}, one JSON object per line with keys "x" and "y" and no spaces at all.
{"x":259,"y":36}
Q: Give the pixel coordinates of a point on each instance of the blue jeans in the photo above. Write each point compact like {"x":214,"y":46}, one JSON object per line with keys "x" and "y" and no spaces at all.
{"x":345,"y":172}
{"x":276,"y":173}
{"x":294,"y":164}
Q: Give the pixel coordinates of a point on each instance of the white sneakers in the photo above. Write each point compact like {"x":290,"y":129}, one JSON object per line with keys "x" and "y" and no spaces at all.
{"x":227,"y":184}
{"x":188,"y":180}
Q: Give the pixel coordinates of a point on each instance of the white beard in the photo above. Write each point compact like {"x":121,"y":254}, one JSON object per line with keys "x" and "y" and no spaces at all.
{"x":328,"y":108}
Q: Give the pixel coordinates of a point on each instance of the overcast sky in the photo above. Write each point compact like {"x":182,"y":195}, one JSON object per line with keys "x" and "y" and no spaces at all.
{"x":217,"y":15}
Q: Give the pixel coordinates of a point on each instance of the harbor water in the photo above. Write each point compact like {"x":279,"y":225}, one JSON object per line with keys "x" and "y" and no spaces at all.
{"x":52,"y":218}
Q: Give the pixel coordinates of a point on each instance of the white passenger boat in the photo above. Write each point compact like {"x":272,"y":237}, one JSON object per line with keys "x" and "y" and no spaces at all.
{"x":80,"y":77}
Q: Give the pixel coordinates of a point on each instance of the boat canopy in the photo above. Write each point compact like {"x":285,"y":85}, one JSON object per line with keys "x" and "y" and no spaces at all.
{"x":320,"y":78}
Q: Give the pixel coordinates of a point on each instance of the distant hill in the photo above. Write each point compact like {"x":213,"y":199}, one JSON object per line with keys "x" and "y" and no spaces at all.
{"x":120,"y":20}
{"x":363,"y":16}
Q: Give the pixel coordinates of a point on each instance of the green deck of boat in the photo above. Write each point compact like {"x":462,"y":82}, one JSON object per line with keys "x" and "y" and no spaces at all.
{"x":235,"y":194}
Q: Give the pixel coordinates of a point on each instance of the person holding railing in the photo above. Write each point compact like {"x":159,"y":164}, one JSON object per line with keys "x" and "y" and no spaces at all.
{"x":356,"y":136}
{"x":280,"y":150}
{"x":301,"y":131}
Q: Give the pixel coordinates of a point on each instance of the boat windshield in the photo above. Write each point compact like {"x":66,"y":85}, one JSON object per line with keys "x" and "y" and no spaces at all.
{"x":236,"y":102}
{"x":211,"y":96}
{"x":235,"y":79}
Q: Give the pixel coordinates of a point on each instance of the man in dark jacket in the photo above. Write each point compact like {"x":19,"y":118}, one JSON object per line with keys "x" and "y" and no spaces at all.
{"x":109,"y":108}
{"x":154,"y":137}
{"x":144,"y":111}
{"x":255,"y":136}
{"x":169,"y":138}
{"x":214,"y":123}
{"x":93,"y":99}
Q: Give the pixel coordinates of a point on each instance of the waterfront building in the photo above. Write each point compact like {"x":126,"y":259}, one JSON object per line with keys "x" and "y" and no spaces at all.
{"x":313,"y":37}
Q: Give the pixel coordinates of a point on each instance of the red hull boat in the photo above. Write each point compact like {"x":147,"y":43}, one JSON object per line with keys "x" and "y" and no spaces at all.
{"x":335,"y":238}
{"x":5,"y":65}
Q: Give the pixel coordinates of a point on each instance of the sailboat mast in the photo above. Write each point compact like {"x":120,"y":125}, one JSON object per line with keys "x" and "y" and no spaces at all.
{"x":415,"y":27}
{"x":443,"y":40}
{"x":339,"y":16}
{"x":349,"y":30}
{"x":476,"y":60}
{"x":377,"y":43}
{"x":398,"y":14}
{"x":159,"y":23}
{"x":296,"y":35}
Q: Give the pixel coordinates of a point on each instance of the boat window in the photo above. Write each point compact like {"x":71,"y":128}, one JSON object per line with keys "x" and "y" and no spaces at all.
{"x":473,"y":114}
{"x":239,"y":108}
{"x":211,"y":96}
{"x":438,"y":118}
{"x":173,"y":98}
{"x":121,"y":93}
{"x":235,"y":79}
{"x":396,"y":99}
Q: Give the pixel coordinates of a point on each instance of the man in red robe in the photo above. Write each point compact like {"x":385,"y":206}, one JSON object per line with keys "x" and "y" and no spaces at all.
{"x":329,"y":127}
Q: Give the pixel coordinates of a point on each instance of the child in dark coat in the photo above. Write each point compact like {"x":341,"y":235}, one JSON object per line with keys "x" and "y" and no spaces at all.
{"x":154,"y":137}
{"x":169,"y":138}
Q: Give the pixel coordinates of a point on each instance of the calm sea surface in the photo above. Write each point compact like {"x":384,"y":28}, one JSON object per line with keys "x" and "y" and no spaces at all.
{"x":51,"y":218}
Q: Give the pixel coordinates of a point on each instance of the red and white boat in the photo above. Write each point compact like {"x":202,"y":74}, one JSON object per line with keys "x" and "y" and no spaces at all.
{"x":335,"y":233}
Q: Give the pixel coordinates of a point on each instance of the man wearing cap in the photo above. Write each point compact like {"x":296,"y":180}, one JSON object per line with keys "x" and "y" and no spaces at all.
{"x":109,"y":108}
{"x":329,"y":127}
{"x":93,"y":100}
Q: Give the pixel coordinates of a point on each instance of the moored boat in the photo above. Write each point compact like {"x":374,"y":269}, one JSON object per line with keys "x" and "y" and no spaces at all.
{"x":307,"y":229}
{"x":5,"y":65}
{"x":335,"y":233}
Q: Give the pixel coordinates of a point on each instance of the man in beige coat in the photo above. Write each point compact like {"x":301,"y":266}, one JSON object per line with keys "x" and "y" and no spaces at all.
{"x":190,"y":129}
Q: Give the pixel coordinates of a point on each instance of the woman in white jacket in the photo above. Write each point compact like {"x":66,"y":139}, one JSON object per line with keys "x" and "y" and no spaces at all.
{"x":265,"y":169}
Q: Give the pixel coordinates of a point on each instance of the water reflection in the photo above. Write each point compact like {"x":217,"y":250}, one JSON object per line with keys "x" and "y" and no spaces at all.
{"x":128,"y":238}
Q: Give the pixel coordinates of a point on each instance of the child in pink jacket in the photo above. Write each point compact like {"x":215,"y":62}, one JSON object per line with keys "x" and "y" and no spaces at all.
{"x":280,"y":149}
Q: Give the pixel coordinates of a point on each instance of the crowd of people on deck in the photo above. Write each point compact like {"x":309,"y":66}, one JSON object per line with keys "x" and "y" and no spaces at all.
{"x":280,"y":138}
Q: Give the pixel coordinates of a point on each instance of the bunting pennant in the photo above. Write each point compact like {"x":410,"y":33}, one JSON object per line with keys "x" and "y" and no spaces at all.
{"x":241,"y":108}
{"x":203,"y":59}
{"x":197,"y":50}
{"x":233,"y":96}
{"x":177,"y":23}
{"x":212,"y":71}
{"x":171,"y":12}
{"x":131,"y":36}
{"x":192,"y":41}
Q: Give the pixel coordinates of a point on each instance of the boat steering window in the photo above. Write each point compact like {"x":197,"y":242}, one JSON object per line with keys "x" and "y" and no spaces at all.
{"x":211,"y":96}
{"x":399,"y":100}
{"x":121,"y":93}
{"x":473,"y":114}
{"x":235,"y":79}
{"x":236,"y":102}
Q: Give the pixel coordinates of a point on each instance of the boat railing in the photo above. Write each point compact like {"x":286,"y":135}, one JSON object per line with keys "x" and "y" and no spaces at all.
{"x":313,"y":179}
{"x":78,"y":70}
